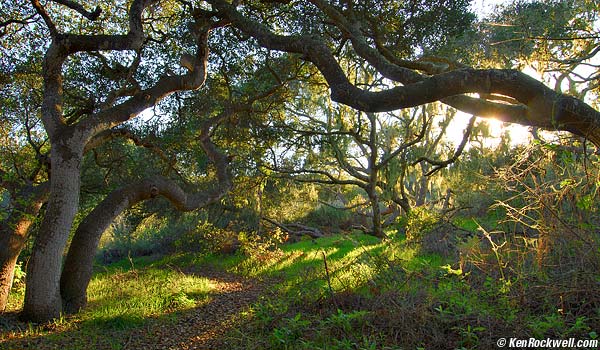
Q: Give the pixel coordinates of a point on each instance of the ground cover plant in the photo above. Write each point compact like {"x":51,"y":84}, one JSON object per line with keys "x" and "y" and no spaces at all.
{"x":346,"y":291}
{"x":283,"y":174}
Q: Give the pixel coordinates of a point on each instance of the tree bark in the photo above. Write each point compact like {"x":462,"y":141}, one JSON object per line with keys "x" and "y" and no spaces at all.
{"x":14,"y":233}
{"x":42,"y":293}
{"x":374,"y":169}
{"x":77,"y":270}
{"x":377,"y":227}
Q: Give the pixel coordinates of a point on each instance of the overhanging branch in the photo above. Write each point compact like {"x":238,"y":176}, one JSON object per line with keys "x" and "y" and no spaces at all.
{"x":545,"y":107}
{"x":92,"y":16}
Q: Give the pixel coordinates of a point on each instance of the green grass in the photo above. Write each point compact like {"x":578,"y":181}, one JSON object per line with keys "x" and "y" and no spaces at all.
{"x":385,"y":294}
{"x":125,"y":298}
{"x":489,"y":221}
{"x":121,"y":298}
{"x":373,"y":295}
{"x":351,"y":262}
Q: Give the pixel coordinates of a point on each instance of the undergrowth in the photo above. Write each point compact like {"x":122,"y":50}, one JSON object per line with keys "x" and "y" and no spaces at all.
{"x":355,"y":292}
{"x":122,"y":297}
{"x":351,"y":292}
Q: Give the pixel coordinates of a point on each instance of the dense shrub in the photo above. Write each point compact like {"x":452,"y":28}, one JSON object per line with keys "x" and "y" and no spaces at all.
{"x":330,"y":219}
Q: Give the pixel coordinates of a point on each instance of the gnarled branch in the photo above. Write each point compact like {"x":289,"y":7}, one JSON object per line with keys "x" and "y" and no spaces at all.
{"x":545,"y":108}
{"x":92,"y":16}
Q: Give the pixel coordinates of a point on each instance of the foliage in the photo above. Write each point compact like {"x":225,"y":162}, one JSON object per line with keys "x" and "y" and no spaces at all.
{"x":19,"y":278}
{"x":531,"y":214}
{"x":330,"y":218}
{"x":553,"y":203}
{"x":384,"y":295}
{"x":420,"y":222}
{"x":124,"y":239}
{"x":208,"y":238}
{"x":262,"y":248}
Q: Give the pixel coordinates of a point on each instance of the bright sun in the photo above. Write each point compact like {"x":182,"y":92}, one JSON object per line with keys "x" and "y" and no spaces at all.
{"x":518,"y":134}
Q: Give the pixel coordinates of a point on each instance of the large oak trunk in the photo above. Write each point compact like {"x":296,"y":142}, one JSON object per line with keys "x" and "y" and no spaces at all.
{"x":42,"y":293}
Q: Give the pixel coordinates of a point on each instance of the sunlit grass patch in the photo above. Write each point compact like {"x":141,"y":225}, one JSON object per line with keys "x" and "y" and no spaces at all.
{"x":123,"y":299}
{"x":313,"y":269}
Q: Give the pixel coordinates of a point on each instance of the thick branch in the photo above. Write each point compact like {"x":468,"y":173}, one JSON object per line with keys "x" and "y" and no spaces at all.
{"x":142,"y":100}
{"x":131,"y":41}
{"x":546,"y":108}
{"x":42,"y":12}
{"x":92,"y":16}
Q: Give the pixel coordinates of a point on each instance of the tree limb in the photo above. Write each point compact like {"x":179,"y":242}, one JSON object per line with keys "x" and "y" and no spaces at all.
{"x":295,"y":229}
{"x":42,"y":12}
{"x":440,"y":164}
{"x":332,"y":179}
{"x":92,"y":16}
{"x":545,"y":108}
{"x":147,"y":98}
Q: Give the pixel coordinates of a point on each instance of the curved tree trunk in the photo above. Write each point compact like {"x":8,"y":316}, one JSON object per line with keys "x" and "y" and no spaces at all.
{"x":78,"y":266}
{"x":77,"y":270}
{"x":14,"y":232}
{"x":42,"y":293}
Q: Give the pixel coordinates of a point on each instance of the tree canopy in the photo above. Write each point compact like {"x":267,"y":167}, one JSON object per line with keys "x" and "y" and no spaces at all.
{"x":106,"y":107}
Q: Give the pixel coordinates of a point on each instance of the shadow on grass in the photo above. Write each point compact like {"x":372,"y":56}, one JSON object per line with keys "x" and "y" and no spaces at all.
{"x":187,"y":328}
{"x":108,"y":324}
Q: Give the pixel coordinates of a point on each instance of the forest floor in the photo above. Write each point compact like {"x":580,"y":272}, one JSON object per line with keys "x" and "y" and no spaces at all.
{"x":203,"y":327}
{"x":339,"y":292}
{"x":200,"y":327}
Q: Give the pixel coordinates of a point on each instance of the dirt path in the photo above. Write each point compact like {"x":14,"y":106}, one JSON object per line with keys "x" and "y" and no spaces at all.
{"x":202,"y":327}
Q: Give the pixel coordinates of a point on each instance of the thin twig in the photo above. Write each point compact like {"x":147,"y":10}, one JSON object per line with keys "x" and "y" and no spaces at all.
{"x":328,"y":279}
